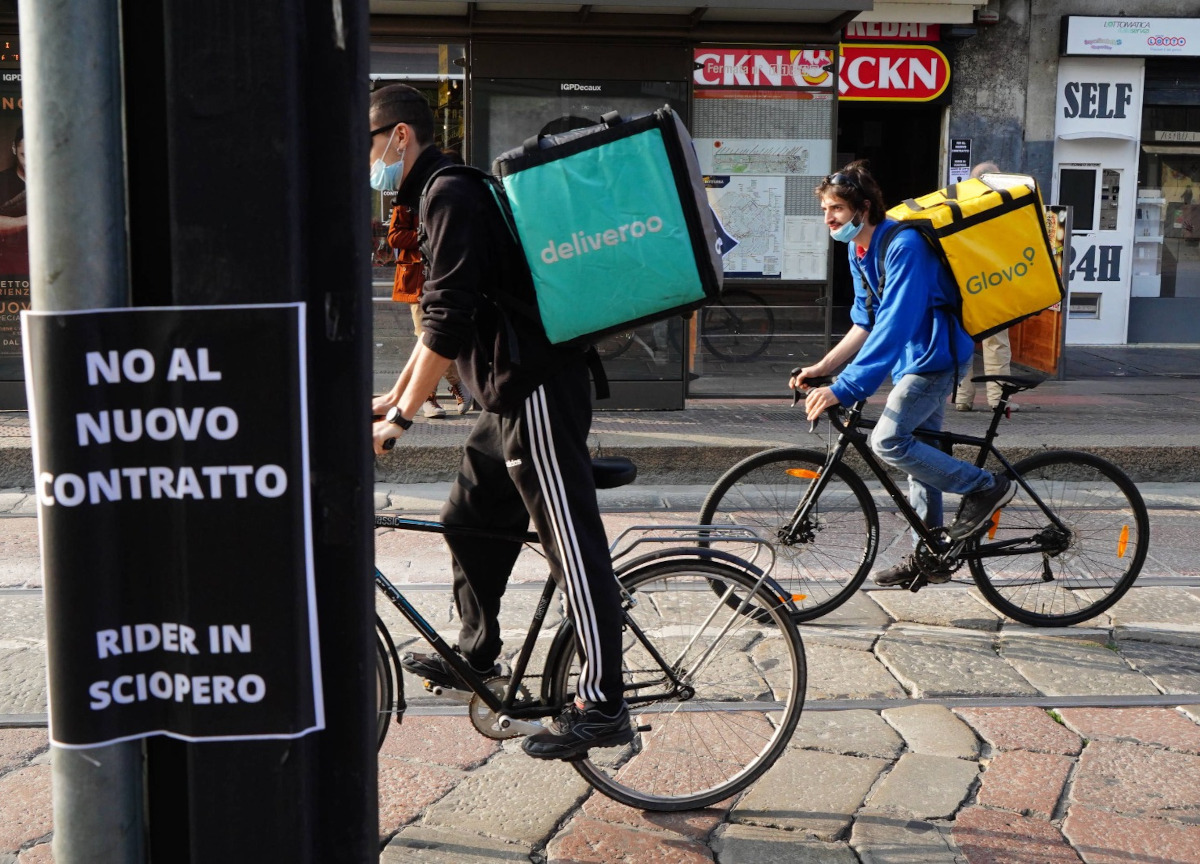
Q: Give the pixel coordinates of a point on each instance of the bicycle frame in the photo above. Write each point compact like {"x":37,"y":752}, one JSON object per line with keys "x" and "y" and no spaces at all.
{"x":852,"y":432}
{"x":506,"y":705}
{"x":499,"y":705}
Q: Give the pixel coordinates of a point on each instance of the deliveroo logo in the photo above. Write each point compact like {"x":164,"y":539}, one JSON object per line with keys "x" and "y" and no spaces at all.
{"x":581,"y":242}
{"x":984,"y":280}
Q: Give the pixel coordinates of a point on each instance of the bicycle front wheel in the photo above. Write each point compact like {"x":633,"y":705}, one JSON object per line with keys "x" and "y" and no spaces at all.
{"x":385,"y":680}
{"x":1085,"y":567}
{"x":826,"y":559}
{"x":714,"y":693}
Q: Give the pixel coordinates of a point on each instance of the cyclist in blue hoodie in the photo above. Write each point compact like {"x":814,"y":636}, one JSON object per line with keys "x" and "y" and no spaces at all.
{"x":912,"y":333}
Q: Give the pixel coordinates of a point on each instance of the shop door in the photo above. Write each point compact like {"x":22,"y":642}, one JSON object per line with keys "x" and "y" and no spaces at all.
{"x":521,"y":90}
{"x":905,"y":163}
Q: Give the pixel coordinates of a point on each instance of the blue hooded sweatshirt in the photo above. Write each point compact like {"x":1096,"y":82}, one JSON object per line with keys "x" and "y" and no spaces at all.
{"x":914,"y":323}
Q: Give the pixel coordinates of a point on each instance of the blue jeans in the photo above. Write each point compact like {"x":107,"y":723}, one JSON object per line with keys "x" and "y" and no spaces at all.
{"x":920,"y":400}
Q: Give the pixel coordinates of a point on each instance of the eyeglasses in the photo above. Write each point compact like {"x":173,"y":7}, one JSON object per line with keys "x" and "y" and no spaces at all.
{"x":840,"y":179}
{"x":385,"y":128}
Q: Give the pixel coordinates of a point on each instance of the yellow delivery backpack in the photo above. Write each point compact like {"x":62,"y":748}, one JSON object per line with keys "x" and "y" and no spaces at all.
{"x":991,"y":233}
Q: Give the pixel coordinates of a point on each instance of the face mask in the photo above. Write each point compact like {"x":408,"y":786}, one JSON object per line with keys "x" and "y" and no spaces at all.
{"x":386,"y":178}
{"x":846,"y":232}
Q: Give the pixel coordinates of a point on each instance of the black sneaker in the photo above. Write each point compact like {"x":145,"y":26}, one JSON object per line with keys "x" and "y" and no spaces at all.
{"x":434,"y":669}
{"x":978,"y":508}
{"x":578,"y":729}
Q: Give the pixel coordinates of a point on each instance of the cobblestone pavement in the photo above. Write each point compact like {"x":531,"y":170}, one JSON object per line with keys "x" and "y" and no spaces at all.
{"x":934,"y":730}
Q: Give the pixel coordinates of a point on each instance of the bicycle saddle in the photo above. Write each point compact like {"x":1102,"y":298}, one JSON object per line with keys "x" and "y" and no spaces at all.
{"x":613,"y":471}
{"x":1017,"y":382}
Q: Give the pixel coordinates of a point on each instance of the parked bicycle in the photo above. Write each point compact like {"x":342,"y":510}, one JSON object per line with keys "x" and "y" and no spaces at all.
{"x":715,"y":687}
{"x":738,"y":327}
{"x":1067,"y":547}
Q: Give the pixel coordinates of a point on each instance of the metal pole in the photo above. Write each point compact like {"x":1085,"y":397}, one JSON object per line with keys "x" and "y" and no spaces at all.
{"x":77,"y":260}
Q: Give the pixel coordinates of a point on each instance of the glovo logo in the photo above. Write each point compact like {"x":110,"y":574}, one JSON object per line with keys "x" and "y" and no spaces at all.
{"x":984,"y":280}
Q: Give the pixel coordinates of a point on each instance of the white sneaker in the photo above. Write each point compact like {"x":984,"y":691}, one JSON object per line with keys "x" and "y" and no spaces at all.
{"x":432,"y":409}
{"x":462,"y":397}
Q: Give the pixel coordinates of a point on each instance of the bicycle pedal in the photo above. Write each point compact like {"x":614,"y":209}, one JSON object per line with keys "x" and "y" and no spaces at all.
{"x":916,"y":584}
{"x":646,"y":728}
{"x":448,"y":693}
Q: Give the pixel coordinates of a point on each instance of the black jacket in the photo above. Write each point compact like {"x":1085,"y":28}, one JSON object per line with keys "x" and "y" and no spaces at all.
{"x":478,"y":305}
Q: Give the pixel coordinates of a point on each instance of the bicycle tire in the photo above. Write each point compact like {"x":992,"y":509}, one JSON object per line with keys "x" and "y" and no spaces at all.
{"x":822,"y":569}
{"x":738,"y":336}
{"x":1110,"y":533}
{"x":691,"y":752}
{"x":385,"y":678}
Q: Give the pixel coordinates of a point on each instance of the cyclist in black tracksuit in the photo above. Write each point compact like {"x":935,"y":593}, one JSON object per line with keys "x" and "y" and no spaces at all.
{"x":527,"y":457}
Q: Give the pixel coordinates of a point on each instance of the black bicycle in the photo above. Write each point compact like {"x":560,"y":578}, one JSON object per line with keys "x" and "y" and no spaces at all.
{"x":1067,"y":547}
{"x":738,"y":326}
{"x":715,"y":687}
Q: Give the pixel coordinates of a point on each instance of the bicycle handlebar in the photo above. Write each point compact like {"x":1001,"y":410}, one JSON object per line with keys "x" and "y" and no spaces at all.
{"x":816,"y":381}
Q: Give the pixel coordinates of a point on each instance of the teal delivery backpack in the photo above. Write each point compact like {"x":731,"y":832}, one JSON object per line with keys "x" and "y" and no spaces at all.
{"x":615,"y":224}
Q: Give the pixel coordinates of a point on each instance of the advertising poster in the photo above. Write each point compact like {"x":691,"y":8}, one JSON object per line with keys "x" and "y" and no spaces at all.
{"x":171,"y":474}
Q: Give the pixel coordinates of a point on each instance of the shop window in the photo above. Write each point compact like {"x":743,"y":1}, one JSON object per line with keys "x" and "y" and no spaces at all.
{"x":14,"y":242}
{"x":438,"y":71}
{"x":1169,"y":192}
{"x":1077,"y":188}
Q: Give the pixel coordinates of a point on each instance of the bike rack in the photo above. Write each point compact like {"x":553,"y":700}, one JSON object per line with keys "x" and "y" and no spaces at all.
{"x":694,"y":535}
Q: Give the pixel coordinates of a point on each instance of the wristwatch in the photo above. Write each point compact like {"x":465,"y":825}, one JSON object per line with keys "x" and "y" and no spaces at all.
{"x":394,"y":416}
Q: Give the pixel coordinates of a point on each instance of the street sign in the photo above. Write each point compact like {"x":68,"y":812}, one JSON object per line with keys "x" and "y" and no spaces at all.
{"x":171,"y":469}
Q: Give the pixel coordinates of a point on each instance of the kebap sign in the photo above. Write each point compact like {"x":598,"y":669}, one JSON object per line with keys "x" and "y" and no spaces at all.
{"x":171,"y":468}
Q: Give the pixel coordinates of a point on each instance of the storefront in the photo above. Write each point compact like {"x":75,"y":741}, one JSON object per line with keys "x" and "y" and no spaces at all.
{"x":758,"y":85}
{"x":1127,"y":159}
{"x":755,"y":84}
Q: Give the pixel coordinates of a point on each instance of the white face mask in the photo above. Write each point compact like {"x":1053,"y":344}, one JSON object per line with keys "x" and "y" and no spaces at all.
{"x":386,"y":178}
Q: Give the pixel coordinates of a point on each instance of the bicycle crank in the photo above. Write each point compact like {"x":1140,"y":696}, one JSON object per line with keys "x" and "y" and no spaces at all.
{"x":499,"y":726}
{"x":931,"y":570}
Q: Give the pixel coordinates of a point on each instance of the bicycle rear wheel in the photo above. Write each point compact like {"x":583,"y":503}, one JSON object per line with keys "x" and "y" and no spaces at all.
{"x":826,"y":561}
{"x":1101,"y":555}
{"x":737,"y":695}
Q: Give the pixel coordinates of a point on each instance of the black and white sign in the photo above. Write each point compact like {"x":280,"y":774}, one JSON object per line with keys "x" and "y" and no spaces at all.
{"x":171,"y":468}
{"x":960,"y":159}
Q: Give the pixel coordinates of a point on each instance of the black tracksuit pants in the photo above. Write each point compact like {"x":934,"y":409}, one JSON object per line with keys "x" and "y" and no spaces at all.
{"x":533,"y":463}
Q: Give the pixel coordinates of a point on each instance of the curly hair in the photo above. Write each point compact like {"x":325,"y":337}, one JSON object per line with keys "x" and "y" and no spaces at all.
{"x":855,"y":185}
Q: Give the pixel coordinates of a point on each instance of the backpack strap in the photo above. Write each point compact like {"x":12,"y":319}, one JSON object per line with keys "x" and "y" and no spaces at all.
{"x":884,"y":244}
{"x":503,"y":301}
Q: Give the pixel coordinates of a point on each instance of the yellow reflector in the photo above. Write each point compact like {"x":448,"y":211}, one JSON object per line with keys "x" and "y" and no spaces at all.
{"x":1123,"y":542}
{"x":995,"y":523}
{"x":803,"y":472}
